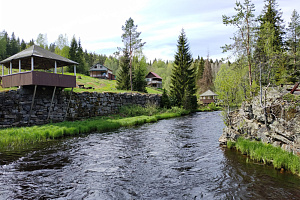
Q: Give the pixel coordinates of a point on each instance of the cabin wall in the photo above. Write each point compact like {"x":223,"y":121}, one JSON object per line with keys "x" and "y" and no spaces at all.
{"x":15,"y":105}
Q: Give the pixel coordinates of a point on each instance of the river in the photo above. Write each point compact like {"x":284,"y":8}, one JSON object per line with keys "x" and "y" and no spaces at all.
{"x":177,"y":158}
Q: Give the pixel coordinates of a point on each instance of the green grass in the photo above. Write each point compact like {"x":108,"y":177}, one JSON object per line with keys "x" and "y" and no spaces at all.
{"x":98,"y":85}
{"x":267,"y":154}
{"x":15,"y":137}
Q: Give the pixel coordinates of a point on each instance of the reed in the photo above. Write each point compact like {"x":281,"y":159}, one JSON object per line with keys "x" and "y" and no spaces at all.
{"x":267,"y":154}
{"x":136,"y":115}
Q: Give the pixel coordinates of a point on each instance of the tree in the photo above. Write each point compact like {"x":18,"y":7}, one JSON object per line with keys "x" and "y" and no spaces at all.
{"x":183,"y":87}
{"x":123,"y":79}
{"x":270,"y":21}
{"x":243,"y":39}
{"x":112,"y":63}
{"x":200,"y":68}
{"x":293,"y":42}
{"x":207,"y":79}
{"x":23,"y":45}
{"x":131,"y":41}
{"x":3,"y":42}
{"x":140,"y":70}
{"x":42,"y":40}
{"x":62,"y":41}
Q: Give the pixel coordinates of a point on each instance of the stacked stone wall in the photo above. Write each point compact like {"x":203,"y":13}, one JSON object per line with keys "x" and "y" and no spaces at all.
{"x":280,"y":126}
{"x":15,"y":105}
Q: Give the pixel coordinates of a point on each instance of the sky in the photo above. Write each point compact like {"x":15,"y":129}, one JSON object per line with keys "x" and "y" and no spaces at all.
{"x":98,"y":23}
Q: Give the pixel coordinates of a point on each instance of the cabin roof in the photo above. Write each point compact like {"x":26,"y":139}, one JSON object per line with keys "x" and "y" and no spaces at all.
{"x":208,"y":93}
{"x":99,"y":67}
{"x":43,"y":59}
{"x":154,"y":74}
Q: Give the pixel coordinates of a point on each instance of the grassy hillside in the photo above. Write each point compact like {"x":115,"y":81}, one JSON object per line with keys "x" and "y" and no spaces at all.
{"x":97,"y":85}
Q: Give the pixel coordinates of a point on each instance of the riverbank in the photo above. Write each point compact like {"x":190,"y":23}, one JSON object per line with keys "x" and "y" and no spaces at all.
{"x":267,"y":154}
{"x":129,"y":116}
{"x":275,"y":124}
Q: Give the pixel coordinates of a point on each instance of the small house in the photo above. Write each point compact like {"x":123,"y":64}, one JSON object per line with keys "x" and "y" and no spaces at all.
{"x":100,"y":71}
{"x":154,"y":80}
{"x":208,"y":97}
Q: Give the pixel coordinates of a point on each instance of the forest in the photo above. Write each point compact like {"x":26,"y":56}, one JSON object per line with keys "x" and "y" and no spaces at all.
{"x":265,"y":52}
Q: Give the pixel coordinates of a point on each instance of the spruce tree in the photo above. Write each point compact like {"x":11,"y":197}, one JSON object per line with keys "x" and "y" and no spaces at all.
{"x":139,"y":73}
{"x":123,"y":77}
{"x":293,"y":41}
{"x":183,"y":87}
{"x":72,"y":53}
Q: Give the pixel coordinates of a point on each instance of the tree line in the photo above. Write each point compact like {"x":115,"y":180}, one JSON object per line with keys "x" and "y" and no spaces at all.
{"x":266,"y":52}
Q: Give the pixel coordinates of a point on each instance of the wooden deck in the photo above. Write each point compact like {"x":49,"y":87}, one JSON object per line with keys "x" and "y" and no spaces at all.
{"x":38,"y":78}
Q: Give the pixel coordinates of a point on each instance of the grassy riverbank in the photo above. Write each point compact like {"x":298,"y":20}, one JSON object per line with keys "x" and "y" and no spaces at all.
{"x":267,"y":154}
{"x":129,"y":116}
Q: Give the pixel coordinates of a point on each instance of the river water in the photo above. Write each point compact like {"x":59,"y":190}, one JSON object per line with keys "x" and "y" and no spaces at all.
{"x":177,"y":158}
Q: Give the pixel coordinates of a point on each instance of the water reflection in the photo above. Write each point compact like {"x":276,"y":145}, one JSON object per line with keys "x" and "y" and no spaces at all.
{"x":172,"y":159}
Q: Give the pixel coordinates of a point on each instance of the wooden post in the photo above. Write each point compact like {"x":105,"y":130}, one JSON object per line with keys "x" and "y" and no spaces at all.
{"x":62,"y":70}
{"x":32,"y":64}
{"x":32,"y":102}
{"x":10,"y":68}
{"x":74,"y":70}
{"x":68,"y":105}
{"x":19,"y":66}
{"x":2,"y":70}
{"x":51,"y":103}
{"x":55,"y":67}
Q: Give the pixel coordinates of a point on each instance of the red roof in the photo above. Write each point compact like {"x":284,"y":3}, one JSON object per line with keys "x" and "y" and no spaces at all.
{"x":154,"y":74}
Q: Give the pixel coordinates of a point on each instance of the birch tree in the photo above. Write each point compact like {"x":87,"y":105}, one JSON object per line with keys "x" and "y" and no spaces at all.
{"x":243,"y":38}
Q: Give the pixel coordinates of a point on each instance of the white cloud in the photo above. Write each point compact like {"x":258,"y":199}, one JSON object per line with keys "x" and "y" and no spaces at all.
{"x":98,"y":23}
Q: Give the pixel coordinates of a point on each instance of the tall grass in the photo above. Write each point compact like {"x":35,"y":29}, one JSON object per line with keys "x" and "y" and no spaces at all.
{"x":267,"y":154}
{"x":130,"y":116}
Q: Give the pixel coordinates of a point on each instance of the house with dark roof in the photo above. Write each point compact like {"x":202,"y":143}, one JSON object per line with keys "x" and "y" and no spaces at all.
{"x":100,"y":71}
{"x":154,"y":80}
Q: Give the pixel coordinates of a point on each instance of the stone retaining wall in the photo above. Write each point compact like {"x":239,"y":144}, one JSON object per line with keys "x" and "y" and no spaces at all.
{"x":15,"y":105}
{"x":279,"y":127}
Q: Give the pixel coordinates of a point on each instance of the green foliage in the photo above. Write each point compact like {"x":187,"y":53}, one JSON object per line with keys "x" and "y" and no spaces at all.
{"x":132,"y":43}
{"x":165,"y":101}
{"x":112,"y":63}
{"x":267,"y":154}
{"x":140,"y":70}
{"x":231,"y":86}
{"x":164,"y":70}
{"x":183,"y":84}
{"x":123,"y":77}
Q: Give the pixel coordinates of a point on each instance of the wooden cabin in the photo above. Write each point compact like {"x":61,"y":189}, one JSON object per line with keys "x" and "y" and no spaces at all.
{"x":154,"y":80}
{"x":208,"y":97}
{"x":100,"y":71}
{"x":36,"y":61}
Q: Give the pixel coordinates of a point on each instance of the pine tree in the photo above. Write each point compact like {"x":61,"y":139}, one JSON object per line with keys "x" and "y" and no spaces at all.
{"x":131,"y":41}
{"x":183,"y":87}
{"x":123,"y":77}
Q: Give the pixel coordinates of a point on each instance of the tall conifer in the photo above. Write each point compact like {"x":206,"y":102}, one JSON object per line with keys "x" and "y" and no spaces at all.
{"x":183,"y":87}
{"x":123,"y":77}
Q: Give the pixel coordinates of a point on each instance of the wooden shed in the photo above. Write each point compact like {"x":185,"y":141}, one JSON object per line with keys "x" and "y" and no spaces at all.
{"x":208,"y":97}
